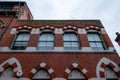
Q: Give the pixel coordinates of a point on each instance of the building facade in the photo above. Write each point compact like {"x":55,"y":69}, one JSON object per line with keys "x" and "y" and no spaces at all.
{"x":53,"y":49}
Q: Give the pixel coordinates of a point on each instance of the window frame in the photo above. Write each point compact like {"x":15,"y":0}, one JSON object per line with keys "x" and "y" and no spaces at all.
{"x":45,"y":47}
{"x":6,"y":7}
{"x":71,"y":47}
{"x":76,"y":78}
{"x":15,"y":38}
{"x":110,"y":68}
{"x":95,"y":42}
{"x":42,"y":78}
{"x":9,"y":68}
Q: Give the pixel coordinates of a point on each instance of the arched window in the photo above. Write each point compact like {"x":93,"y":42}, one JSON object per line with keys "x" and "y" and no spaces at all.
{"x":110,"y":74}
{"x":7,"y":73}
{"x":46,"y":41}
{"x":95,"y":41}
{"x":70,"y":41}
{"x":76,"y":75}
{"x":42,"y":74}
{"x":21,"y":41}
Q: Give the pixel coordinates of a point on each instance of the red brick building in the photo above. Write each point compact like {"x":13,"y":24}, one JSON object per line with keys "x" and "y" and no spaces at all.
{"x":118,"y":38}
{"x":53,"y":49}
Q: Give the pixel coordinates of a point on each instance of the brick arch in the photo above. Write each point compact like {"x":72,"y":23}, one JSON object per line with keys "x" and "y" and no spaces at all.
{"x":79,"y":67}
{"x":70,"y":27}
{"x":92,"y":27}
{"x":15,"y":64}
{"x":24,"y":27}
{"x":42,"y":66}
{"x":47,"y":27}
{"x":103,"y":63}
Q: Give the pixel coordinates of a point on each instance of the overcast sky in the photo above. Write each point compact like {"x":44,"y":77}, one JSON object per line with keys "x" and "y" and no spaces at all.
{"x":108,"y":11}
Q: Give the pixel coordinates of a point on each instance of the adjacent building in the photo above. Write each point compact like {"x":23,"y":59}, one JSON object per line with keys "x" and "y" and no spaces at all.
{"x":53,"y":49}
{"x":118,"y":38}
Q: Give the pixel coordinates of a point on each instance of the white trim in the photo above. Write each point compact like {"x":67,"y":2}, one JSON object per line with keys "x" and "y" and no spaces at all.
{"x":82,"y":31}
{"x":103,"y":31}
{"x":31,"y":49}
{"x":84,"y":71}
{"x":11,"y":61}
{"x":58,"y":31}
{"x":46,"y":30}
{"x":111,"y":48}
{"x":33,"y":71}
{"x":35,"y":31}
{"x":58,"y":48}
{"x":75,"y":65}
{"x":13,"y":31}
{"x":1,"y":68}
{"x":5,"y":48}
{"x":117,"y":68}
{"x":16,"y":69}
{"x":101,"y":69}
{"x":42,"y":65}
{"x":67,"y":70}
{"x":86,"y":49}
{"x":19,"y":73}
{"x":50,"y":70}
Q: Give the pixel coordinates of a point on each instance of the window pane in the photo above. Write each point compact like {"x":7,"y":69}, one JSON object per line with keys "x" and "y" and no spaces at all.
{"x":17,"y":43}
{"x":67,"y":44}
{"x":71,"y":41}
{"x":66,"y":37}
{"x":22,"y":47}
{"x":41,"y":48}
{"x":76,"y":75}
{"x":90,"y":37}
{"x":42,"y":37}
{"x":97,"y":37}
{"x":95,"y":41}
{"x":21,"y":41}
{"x":7,"y":73}
{"x":19,"y":37}
{"x":42,"y":44}
{"x":68,"y":48}
{"x":75,"y":44}
{"x":49,"y":44}
{"x":46,"y":41}
{"x":26,"y":37}
{"x":110,"y":74}
{"x":15,"y":48}
{"x":73,"y":37}
{"x":41,"y":75}
{"x":100,"y":46}
{"x":22,"y":37}
{"x":24,"y":43}
{"x":49,"y":48}
{"x":50,"y":37}
{"x":93,"y":46}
